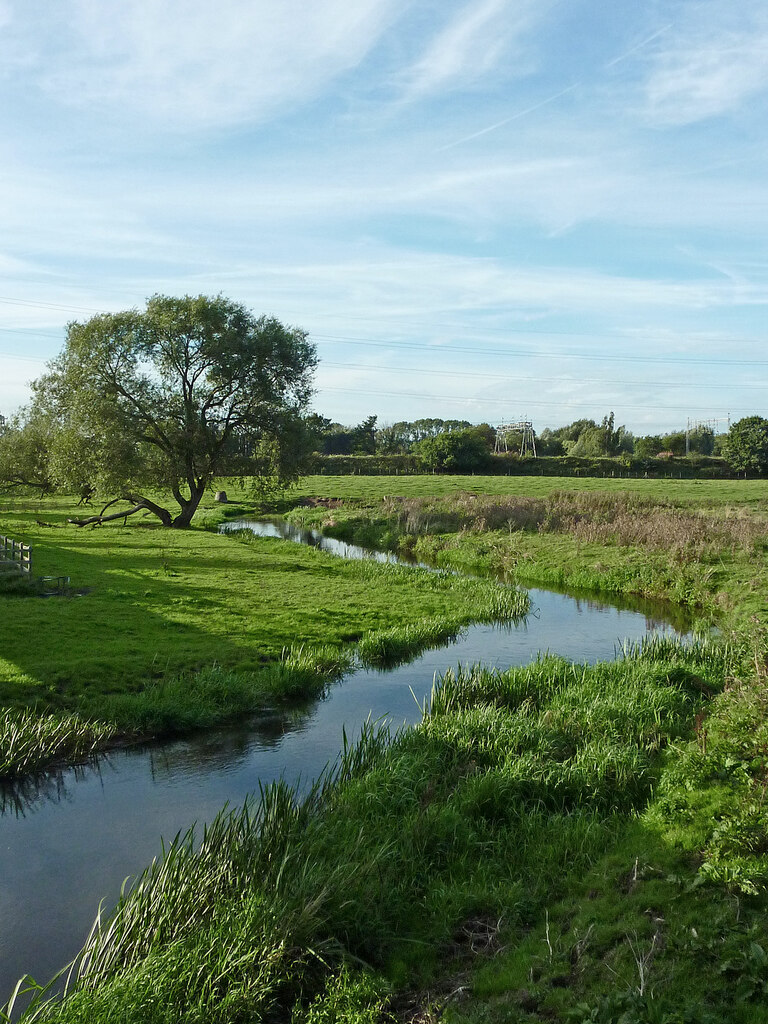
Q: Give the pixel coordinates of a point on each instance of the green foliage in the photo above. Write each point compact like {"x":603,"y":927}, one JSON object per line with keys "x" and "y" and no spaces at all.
{"x":649,"y":446}
{"x":399,"y":438}
{"x":350,"y":997}
{"x":333,"y":439}
{"x":390,"y":647}
{"x":24,"y":445}
{"x":567,"y":467}
{"x":163,"y":632}
{"x":746,"y":446}
{"x":554,"y":842}
{"x":172,"y":396}
{"x":458,"y":451}
{"x":30,"y":741}
{"x":431,"y":850}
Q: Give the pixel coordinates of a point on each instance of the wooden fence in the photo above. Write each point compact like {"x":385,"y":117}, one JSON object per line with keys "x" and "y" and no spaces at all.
{"x":14,"y":554}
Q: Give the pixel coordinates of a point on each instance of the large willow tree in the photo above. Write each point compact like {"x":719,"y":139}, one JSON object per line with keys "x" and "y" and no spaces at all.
{"x":165,"y":400}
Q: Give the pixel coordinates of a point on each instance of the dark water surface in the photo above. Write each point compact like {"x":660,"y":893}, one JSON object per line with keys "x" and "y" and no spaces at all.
{"x":70,"y":840}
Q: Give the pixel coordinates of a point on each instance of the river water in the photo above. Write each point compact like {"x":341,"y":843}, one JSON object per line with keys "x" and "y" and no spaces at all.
{"x":69,"y":840}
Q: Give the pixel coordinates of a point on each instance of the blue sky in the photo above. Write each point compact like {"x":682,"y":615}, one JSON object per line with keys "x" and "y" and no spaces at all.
{"x":490,"y":210}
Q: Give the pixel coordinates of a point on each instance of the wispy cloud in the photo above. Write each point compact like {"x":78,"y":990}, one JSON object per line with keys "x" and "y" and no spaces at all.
{"x":472,"y":44}
{"x":17,"y":373}
{"x":193,"y":63}
{"x":714,"y":59}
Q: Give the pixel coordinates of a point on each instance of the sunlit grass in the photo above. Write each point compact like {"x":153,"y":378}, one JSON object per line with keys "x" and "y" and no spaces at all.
{"x":29,"y":741}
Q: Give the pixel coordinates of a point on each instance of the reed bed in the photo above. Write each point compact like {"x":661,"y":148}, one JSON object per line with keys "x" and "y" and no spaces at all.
{"x":485,"y":600}
{"x":213,"y":695}
{"x":512,"y":786}
{"x":624,"y":518}
{"x":30,"y":742}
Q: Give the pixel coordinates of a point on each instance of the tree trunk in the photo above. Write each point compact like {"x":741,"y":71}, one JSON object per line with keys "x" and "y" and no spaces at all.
{"x":98,"y":520}
{"x":188,"y":506}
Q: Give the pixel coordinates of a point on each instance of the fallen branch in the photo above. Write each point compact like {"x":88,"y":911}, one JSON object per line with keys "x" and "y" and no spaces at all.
{"x":106,"y":519}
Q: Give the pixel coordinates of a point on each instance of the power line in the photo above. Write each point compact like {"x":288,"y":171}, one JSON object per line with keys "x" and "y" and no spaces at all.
{"x":448,"y":350}
{"x":546,"y":380}
{"x":564,"y":404}
{"x":431,"y":324}
{"x":31,"y":333}
{"x":49,"y":305}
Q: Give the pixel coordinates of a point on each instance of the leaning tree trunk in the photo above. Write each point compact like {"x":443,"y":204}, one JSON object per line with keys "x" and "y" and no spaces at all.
{"x":188,"y":505}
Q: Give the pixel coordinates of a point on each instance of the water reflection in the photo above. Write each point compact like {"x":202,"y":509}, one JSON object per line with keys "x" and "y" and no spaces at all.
{"x":20,"y":797}
{"x":282,"y":530}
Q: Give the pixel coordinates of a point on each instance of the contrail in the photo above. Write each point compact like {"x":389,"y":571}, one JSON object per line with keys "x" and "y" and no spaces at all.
{"x":638,"y":46}
{"x":507,"y":120}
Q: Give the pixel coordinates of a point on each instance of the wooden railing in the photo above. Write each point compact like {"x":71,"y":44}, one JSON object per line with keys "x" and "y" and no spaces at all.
{"x":14,"y":554}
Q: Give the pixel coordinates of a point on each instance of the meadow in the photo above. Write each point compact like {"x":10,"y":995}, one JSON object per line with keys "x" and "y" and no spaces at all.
{"x":161,"y":631}
{"x":557,"y":842}
{"x":745,"y":493}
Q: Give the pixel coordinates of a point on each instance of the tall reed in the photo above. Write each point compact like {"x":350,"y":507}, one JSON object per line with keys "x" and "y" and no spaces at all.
{"x":30,"y":741}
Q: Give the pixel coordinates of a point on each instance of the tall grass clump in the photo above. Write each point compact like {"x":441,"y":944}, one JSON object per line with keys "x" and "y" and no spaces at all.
{"x":484,"y":600}
{"x":592,"y":517}
{"x":390,"y":647}
{"x":215,"y":695}
{"x":30,"y":742}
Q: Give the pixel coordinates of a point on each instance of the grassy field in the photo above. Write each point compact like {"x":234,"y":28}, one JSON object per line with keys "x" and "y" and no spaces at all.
{"x":749,"y":493}
{"x":553,"y":843}
{"x":164,"y":629}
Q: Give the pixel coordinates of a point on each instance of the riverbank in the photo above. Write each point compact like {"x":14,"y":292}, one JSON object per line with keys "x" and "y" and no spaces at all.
{"x":705,"y":551}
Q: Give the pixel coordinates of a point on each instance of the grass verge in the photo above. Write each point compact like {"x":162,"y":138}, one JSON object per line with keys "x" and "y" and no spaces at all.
{"x":702,"y":554}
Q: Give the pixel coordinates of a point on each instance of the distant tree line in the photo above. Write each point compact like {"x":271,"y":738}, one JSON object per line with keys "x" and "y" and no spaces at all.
{"x":446,"y":445}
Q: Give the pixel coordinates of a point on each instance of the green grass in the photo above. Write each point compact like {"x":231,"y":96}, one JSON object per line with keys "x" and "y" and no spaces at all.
{"x":706,"y":552}
{"x":715,"y":492}
{"x":510,"y":847}
{"x":162,"y":631}
{"x":157,"y":602}
{"x":29,"y":741}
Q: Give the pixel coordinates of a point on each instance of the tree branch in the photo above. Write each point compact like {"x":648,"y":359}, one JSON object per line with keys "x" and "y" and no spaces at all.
{"x":106,"y":519}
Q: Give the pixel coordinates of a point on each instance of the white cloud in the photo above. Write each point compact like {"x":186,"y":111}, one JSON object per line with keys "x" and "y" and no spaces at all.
{"x":710,"y":63}
{"x":195,"y":63}
{"x":473,"y":44}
